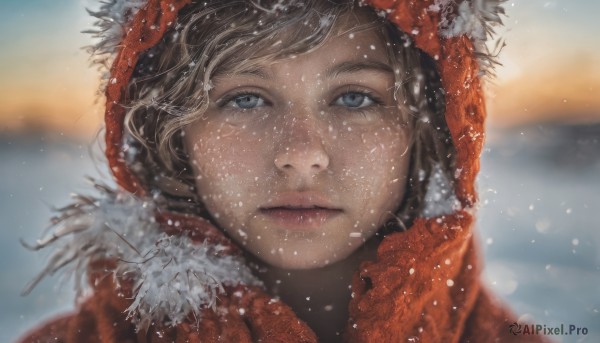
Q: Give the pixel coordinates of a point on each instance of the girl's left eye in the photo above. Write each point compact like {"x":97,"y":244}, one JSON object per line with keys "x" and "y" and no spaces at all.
{"x":354,"y":100}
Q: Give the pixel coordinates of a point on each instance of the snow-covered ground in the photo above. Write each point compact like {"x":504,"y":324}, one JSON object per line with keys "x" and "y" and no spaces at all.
{"x":36,"y":172}
{"x":538,"y":223}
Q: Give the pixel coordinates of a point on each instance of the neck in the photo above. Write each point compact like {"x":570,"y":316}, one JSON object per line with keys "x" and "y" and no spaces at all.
{"x":320,"y":297}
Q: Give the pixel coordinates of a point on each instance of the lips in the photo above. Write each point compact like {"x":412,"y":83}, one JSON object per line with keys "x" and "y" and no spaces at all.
{"x":300,"y":210}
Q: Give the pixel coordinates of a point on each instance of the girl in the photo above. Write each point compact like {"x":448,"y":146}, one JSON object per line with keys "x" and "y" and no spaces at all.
{"x":288,"y":172}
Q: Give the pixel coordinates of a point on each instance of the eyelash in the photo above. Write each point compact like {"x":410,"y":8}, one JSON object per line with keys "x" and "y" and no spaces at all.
{"x":222,"y":103}
{"x":377,"y":101}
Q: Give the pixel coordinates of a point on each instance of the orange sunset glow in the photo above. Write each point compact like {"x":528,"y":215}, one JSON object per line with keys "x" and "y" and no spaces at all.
{"x":556,"y":91}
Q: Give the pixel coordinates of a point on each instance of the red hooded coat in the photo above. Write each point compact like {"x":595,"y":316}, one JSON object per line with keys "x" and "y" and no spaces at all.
{"x":409,"y":293}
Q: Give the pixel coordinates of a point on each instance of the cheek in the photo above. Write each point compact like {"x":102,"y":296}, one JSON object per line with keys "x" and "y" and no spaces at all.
{"x":376,"y":156}
{"x":226,"y":169}
{"x":377,"y":161}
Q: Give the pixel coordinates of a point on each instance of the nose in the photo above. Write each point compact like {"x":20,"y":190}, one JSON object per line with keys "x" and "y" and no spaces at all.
{"x":301,"y":150}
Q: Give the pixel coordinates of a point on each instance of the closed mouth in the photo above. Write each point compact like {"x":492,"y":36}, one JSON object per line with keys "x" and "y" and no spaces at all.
{"x":300,"y":216}
{"x":299,"y":208}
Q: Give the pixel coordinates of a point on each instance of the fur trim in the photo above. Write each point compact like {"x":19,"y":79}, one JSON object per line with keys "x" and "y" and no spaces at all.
{"x":173,"y":276}
{"x":475,"y":18}
{"x":440,"y":198}
{"x":112,"y":17}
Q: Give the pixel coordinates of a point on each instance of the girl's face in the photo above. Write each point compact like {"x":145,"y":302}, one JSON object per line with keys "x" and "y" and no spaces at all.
{"x":301,"y":160}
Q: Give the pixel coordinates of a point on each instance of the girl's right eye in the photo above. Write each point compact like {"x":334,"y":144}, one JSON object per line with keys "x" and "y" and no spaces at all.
{"x":246,"y":101}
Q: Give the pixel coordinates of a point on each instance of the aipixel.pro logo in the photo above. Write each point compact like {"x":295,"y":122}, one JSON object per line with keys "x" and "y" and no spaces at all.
{"x":542,"y":329}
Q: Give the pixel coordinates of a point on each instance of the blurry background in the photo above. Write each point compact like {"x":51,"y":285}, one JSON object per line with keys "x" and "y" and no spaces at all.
{"x":539,"y":184}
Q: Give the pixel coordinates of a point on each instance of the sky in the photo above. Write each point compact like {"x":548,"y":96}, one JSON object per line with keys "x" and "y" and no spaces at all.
{"x":45,"y":76}
{"x":550,"y":66}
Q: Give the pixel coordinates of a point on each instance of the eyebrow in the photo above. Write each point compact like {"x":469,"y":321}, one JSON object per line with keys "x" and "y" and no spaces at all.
{"x":255,"y":71}
{"x":356,"y":66}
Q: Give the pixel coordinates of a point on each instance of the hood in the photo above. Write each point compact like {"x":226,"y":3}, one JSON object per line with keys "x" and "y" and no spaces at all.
{"x":452,"y":32}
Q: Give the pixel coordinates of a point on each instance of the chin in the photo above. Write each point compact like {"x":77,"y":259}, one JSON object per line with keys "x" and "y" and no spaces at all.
{"x":297,"y":264}
{"x":309,"y":259}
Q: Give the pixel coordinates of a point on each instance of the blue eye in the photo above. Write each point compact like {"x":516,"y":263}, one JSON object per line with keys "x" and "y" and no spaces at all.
{"x":247,"y":101}
{"x":354,"y":100}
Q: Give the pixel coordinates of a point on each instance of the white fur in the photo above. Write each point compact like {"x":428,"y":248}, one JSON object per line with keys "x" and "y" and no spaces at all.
{"x":113,"y":16}
{"x":173,"y":276}
{"x":474,"y":18}
{"x":440,"y":198}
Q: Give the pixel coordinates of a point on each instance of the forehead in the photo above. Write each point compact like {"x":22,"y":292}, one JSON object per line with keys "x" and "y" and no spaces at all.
{"x":345,"y":52}
{"x":355,"y":34}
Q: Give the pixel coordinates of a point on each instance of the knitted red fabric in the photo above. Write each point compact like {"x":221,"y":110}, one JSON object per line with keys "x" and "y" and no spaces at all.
{"x":145,"y":30}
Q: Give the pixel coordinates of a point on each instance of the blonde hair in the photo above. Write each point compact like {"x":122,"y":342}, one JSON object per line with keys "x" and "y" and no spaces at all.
{"x":171,"y":82}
